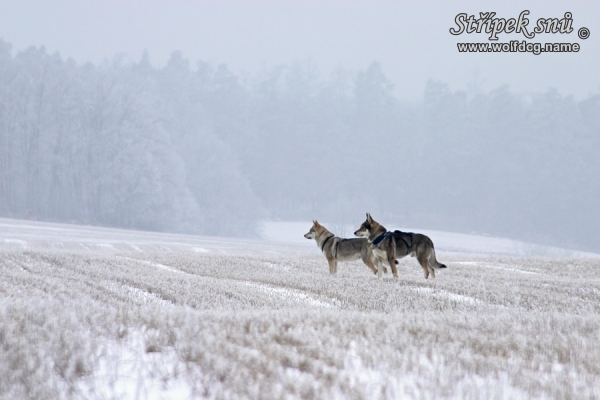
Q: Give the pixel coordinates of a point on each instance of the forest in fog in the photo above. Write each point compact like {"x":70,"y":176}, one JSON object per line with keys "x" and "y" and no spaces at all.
{"x":193,"y":147}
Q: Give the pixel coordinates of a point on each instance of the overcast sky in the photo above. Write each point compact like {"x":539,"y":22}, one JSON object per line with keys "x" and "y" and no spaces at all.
{"x":410,"y":39}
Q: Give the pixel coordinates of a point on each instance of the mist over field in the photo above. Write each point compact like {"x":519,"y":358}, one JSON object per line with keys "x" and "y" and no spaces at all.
{"x":198,"y":145}
{"x":196,"y":148}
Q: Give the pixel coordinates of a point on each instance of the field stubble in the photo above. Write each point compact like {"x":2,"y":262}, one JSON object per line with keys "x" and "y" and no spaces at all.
{"x":185,"y":324}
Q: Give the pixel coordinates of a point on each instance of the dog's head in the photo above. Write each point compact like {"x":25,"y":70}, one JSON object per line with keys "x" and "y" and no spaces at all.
{"x":367,"y":227}
{"x":314,"y":231}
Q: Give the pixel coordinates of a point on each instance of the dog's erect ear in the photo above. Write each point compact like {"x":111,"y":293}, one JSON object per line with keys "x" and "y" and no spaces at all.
{"x":315,"y":222}
{"x":369,"y":219}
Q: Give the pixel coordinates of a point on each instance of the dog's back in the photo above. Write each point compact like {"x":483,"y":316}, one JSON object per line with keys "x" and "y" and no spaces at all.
{"x":397,"y":244}
{"x":337,"y":249}
{"x":351,"y":249}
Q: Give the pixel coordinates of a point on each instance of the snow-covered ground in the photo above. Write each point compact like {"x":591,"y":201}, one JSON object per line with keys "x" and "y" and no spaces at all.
{"x":448,"y":242}
{"x":89,"y":312}
{"x":276,"y":237}
{"x":33,"y":235}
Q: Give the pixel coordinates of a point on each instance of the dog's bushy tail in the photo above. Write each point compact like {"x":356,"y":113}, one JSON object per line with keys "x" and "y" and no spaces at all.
{"x":434,"y":262}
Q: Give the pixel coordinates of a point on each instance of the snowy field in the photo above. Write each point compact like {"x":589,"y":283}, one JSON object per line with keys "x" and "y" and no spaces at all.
{"x":97,"y":313}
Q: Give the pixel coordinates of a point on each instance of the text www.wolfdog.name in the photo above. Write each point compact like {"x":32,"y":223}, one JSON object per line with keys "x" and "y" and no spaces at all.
{"x":514,"y":46}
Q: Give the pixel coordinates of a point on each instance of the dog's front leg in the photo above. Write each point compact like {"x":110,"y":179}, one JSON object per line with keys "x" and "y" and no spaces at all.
{"x":332,"y":266}
{"x":380,"y":262}
{"x":392,"y":262}
{"x":382,"y":269}
{"x":372,"y":266}
{"x":391,"y":256}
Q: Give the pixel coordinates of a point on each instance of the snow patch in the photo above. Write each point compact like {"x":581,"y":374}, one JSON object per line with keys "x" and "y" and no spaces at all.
{"x":503,"y":267}
{"x":137,"y":295}
{"x":136,"y":248}
{"x":126,"y":370}
{"x":277,"y":267}
{"x":16,"y":241}
{"x":154,"y":264}
{"x":294,"y":294}
{"x":442,"y":294}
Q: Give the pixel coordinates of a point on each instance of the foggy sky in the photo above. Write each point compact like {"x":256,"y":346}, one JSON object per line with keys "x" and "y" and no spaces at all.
{"x":410,"y":39}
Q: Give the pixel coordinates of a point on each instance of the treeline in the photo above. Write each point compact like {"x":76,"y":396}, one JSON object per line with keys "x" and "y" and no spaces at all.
{"x":118,"y":144}
{"x":196,"y":148}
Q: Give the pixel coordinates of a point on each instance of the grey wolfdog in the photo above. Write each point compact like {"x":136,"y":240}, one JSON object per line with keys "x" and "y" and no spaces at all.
{"x":338,"y":249}
{"x":393,"y":245}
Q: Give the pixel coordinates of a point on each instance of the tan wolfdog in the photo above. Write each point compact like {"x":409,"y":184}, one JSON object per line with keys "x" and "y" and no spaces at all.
{"x":337,"y":249}
{"x":393,"y":245}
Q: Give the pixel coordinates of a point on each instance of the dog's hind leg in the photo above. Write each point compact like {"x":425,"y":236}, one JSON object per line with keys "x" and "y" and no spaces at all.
{"x":431,"y":271}
{"x":425,"y":265}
